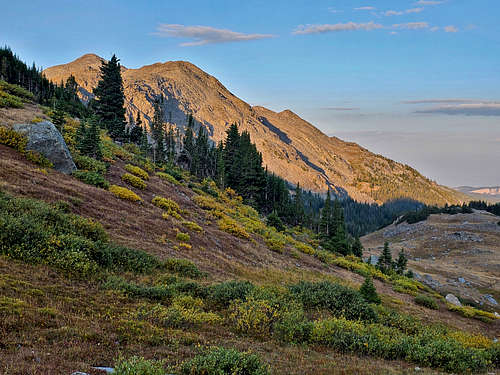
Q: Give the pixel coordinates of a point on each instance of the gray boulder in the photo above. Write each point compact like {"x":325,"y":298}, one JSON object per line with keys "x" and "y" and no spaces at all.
{"x":45,"y":139}
{"x":452,"y":299}
{"x":490,"y":299}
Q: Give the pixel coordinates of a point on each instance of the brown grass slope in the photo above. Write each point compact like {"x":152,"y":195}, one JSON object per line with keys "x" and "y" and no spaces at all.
{"x":449,"y":247}
{"x":291,"y":147}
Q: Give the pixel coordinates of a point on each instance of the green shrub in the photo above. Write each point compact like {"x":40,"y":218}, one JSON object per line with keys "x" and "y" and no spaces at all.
{"x":182,"y":237}
{"x":10,"y":101}
{"x":16,"y":90}
{"x":168,"y":178}
{"x":193,"y":226}
{"x":138,"y":366}
{"x":426,"y":301}
{"x":183,"y":267}
{"x":338,"y":299}
{"x":87,"y":163}
{"x":91,"y":178}
{"x":134,"y":181}
{"x":224,"y":293}
{"x":156,"y":292}
{"x":36,"y":232}
{"x":219,"y":361}
{"x":139,"y":172}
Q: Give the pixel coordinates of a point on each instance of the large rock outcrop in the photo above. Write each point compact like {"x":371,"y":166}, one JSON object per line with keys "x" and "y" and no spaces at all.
{"x":44,"y":138}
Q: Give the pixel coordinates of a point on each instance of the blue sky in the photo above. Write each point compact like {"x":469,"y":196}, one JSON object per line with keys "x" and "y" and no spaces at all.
{"x":417,"y":81}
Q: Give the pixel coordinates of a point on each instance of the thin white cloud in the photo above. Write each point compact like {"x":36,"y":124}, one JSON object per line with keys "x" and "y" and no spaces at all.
{"x":328,"y":28}
{"x":429,"y":2}
{"x":333,"y":10}
{"x":411,"y":25}
{"x":340,"y":108}
{"x":202,"y":35}
{"x":467,"y":109}
{"x":402,"y":12}
{"x":446,"y":101}
{"x":365,"y":8}
{"x":434,"y":29}
{"x":451,"y":29}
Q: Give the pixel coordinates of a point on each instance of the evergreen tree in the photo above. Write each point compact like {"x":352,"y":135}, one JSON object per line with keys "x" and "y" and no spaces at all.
{"x":357,"y":248}
{"x":80,"y":134}
{"x":385,"y":261}
{"x":157,"y":131}
{"x":339,"y":236}
{"x":91,"y":142}
{"x":58,"y":117}
{"x":110,"y":98}
{"x":274,"y":220}
{"x":144,"y":144}
{"x":401,"y":263}
{"x":325,"y":225}
{"x":220,"y":169}
{"x":369,"y":292}
{"x":298,"y":204}
{"x":231,"y":150}
{"x":188,"y":144}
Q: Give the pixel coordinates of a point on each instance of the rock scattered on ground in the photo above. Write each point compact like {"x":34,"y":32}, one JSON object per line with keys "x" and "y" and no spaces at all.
{"x":450,"y":298}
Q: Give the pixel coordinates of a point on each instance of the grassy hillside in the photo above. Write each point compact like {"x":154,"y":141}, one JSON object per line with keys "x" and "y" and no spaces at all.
{"x":154,"y":263}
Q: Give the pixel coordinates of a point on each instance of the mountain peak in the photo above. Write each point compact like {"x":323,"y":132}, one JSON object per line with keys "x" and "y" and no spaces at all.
{"x":291,"y":147}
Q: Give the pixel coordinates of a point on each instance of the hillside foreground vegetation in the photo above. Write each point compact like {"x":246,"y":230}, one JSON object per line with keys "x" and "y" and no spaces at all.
{"x":166,"y":271}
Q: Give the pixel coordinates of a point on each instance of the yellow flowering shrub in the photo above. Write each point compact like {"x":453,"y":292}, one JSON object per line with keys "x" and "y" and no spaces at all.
{"x":193,"y":226}
{"x":168,"y":178}
{"x":124,"y":193}
{"x":18,"y":141}
{"x":471,"y":312}
{"x":255,"y":317}
{"x":139,"y":172}
{"x":183,"y":237}
{"x":134,"y":181}
{"x":166,"y":204}
{"x":231,"y":226}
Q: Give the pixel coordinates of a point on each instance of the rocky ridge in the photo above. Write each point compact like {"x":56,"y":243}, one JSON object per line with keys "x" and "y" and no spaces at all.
{"x":291,"y":147}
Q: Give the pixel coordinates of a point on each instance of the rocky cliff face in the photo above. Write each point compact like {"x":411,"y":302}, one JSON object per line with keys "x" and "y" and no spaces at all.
{"x":291,"y":147}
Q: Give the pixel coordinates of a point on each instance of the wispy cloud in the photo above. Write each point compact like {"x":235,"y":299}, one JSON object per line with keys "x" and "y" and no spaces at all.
{"x":340,"y":109}
{"x":202,"y":35}
{"x":402,"y":12}
{"x":333,"y":10}
{"x":429,"y":2}
{"x":444,"y":101}
{"x":451,"y":29}
{"x":467,"y":109}
{"x":328,"y":28}
{"x":411,"y":25}
{"x":365,"y":8}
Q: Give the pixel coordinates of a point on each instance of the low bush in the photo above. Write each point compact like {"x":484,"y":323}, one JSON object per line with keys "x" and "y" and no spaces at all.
{"x":91,"y":178}
{"x":471,"y":312}
{"x":16,"y":90}
{"x":193,"y":226}
{"x":135,"y":181}
{"x":10,"y":101}
{"x":166,"y":204}
{"x":224,"y":293}
{"x":426,"y":301}
{"x":184,"y":311}
{"x":425,"y":349}
{"x":124,"y":193}
{"x":139,"y":172}
{"x":336,"y":298}
{"x":220,"y":361}
{"x":89,"y":164}
{"x":36,"y":232}
{"x":183,"y":267}
{"x":231,"y":226}
{"x":254,"y":316}
{"x":138,"y":366}
{"x":183,"y":237}
{"x":168,"y":178}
